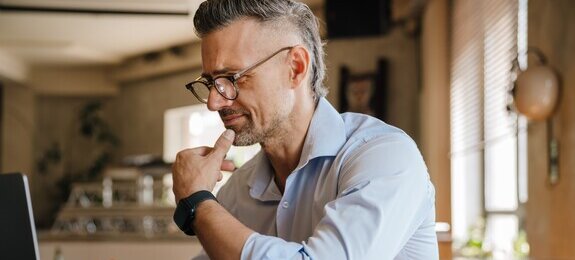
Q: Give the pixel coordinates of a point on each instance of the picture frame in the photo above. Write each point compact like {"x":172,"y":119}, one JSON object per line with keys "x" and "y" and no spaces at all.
{"x":364,"y":92}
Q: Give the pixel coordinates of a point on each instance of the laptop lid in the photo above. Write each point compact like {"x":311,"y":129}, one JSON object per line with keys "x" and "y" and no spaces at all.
{"x":17,"y":228}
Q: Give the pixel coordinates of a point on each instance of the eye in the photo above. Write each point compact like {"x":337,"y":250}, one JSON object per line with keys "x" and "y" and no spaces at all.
{"x":242,"y":79}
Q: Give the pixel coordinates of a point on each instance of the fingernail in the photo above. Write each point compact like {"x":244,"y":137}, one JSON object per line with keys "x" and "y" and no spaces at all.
{"x":229,"y":134}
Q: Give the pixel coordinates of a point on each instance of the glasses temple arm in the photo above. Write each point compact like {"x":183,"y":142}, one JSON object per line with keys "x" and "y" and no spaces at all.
{"x":240,"y":73}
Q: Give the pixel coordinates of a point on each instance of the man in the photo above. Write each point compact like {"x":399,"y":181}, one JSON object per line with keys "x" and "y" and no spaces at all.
{"x":325,"y":185}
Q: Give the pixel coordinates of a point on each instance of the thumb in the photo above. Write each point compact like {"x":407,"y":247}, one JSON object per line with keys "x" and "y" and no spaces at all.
{"x":223,"y":144}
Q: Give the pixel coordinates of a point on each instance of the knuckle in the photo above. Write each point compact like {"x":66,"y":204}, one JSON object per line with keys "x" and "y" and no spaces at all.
{"x":180,"y":155}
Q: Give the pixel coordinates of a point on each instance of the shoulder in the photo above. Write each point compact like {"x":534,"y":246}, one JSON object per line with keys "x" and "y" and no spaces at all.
{"x":375,"y":149}
{"x":367,"y":127}
{"x":363,"y":129}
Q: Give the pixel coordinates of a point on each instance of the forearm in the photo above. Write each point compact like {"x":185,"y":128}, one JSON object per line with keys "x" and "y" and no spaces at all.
{"x":221,"y":235}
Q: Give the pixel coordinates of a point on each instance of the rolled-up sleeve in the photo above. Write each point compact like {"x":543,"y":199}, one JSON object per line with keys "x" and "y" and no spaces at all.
{"x":384,"y":199}
{"x":267,"y":247}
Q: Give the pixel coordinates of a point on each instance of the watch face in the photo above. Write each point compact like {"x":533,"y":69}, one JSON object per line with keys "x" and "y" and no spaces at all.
{"x":192,"y":214}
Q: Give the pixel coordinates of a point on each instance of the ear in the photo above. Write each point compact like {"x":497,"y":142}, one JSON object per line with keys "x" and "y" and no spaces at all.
{"x":299,"y":64}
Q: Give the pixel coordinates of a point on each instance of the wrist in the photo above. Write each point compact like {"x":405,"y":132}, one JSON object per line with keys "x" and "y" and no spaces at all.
{"x":204,"y":208}
{"x":187,"y":207}
{"x":189,"y":192}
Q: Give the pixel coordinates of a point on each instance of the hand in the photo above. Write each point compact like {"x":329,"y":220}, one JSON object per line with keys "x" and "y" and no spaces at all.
{"x":200,"y":168}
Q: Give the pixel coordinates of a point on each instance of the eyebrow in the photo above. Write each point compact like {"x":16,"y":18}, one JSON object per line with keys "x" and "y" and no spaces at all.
{"x":216,"y":73}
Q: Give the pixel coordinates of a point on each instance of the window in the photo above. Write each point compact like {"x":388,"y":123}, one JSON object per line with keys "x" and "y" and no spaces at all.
{"x":488,"y":146}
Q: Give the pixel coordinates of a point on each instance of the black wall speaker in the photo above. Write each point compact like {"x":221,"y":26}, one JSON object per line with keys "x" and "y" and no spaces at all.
{"x":348,"y":19}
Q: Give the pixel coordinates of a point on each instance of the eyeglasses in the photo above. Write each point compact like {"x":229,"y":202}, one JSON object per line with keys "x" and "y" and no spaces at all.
{"x":225,"y":84}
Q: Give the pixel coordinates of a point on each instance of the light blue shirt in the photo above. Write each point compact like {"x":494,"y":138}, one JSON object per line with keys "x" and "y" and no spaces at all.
{"x":360,"y":191}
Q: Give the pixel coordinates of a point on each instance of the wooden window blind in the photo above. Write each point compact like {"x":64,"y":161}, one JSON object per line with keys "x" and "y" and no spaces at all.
{"x":483,"y":132}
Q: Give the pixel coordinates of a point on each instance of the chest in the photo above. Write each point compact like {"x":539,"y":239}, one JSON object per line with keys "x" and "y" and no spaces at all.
{"x":294,"y":215}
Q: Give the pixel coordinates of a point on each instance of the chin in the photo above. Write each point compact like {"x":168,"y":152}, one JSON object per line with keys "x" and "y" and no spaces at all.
{"x":245,"y":135}
{"x":244,"y":140}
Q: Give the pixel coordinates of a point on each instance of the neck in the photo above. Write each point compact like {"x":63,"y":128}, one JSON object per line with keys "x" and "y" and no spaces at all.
{"x":285,"y":151}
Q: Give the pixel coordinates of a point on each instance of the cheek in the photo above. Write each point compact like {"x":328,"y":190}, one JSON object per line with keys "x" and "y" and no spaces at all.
{"x":264,"y":97}
{"x":261,"y":111}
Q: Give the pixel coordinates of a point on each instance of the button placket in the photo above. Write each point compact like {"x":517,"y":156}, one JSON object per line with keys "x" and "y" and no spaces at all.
{"x":283,"y":215}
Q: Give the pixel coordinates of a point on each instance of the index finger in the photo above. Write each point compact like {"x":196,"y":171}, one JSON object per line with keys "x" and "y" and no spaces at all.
{"x":223,"y":144}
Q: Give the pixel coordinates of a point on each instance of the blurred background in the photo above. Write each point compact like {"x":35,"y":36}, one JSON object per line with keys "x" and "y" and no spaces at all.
{"x":93,"y":109}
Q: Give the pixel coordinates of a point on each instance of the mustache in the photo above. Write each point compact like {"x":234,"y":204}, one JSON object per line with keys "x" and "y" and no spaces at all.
{"x":228,"y":111}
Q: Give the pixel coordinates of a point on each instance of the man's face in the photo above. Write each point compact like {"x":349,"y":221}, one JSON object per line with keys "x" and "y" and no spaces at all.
{"x":260,"y":110}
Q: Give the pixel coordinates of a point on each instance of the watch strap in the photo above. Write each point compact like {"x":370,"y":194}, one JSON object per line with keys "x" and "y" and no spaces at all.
{"x":186,"y":209}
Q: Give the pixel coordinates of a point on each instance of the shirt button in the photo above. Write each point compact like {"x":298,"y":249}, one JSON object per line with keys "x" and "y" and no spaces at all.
{"x":285,"y":205}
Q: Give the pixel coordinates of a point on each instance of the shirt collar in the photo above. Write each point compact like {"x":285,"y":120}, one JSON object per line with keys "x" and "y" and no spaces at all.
{"x":326,"y":134}
{"x":261,"y":182}
{"x":325,"y":137}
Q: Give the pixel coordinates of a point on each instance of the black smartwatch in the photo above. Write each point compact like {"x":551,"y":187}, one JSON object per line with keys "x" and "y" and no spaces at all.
{"x":186,"y":210}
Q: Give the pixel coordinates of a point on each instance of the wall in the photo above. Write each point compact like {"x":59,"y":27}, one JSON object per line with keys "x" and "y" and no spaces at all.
{"x":435,"y":106}
{"x":361,"y":55}
{"x":57,"y":123}
{"x":139,"y":111}
{"x":550,"y":210}
{"x":72,"y":81}
{"x":12,"y":68}
{"x":59,"y":94}
{"x":18,"y":136}
{"x":18,"y":122}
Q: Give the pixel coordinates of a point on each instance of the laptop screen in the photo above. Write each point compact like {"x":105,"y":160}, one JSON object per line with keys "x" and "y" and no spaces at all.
{"x":17,"y":230}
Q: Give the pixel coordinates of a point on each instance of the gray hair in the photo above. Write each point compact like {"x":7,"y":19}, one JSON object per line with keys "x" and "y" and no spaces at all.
{"x":215,"y":14}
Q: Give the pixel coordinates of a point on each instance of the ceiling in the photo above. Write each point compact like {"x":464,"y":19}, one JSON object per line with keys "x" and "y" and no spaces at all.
{"x":91,"y":35}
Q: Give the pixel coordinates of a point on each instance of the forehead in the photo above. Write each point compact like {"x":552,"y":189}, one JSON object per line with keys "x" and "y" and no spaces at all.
{"x":243,"y":42}
{"x":235,"y":46}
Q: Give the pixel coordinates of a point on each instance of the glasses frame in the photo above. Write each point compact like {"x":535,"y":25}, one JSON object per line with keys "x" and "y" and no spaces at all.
{"x":210,"y":83}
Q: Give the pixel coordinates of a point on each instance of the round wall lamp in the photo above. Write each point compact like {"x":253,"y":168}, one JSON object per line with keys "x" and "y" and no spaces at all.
{"x":536,"y":89}
{"x":535,"y":95}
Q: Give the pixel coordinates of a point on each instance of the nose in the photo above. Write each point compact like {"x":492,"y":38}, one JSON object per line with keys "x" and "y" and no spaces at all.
{"x":217,"y":101}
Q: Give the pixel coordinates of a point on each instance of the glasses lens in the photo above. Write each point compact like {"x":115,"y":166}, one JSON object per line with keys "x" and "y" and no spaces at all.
{"x":225,"y":87}
{"x":201,"y":91}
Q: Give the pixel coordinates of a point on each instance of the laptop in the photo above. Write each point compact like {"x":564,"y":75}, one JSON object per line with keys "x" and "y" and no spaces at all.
{"x":17,"y":229}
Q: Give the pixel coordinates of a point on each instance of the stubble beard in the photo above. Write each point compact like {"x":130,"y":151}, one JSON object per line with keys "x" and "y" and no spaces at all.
{"x":246,"y":135}
{"x":249,"y":134}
